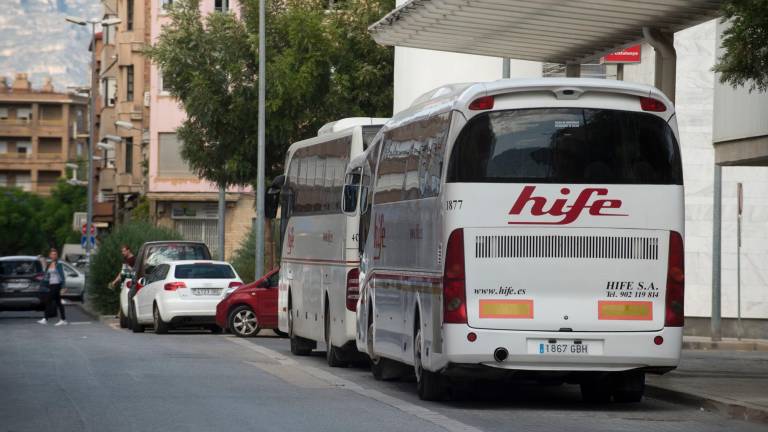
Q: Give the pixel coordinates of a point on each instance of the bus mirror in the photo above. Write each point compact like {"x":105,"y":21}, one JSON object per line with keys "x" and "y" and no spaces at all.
{"x":272,"y":198}
{"x":349,"y":200}
{"x":363,"y":200}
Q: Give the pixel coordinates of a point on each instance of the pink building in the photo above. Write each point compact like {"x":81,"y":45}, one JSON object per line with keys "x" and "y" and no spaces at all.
{"x":178,"y":198}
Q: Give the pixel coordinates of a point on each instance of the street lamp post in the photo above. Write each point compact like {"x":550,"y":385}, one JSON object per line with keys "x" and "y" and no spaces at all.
{"x":260,"y":166}
{"x":91,"y":127}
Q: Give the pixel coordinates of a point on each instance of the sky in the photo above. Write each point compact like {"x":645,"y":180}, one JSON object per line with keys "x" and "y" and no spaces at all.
{"x":35,"y":38}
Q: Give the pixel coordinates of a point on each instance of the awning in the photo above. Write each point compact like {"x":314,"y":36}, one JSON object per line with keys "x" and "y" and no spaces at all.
{"x":553,"y":31}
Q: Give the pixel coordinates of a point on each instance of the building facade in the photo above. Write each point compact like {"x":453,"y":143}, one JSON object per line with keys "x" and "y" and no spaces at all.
{"x":40,"y":132}
{"x":178,"y":198}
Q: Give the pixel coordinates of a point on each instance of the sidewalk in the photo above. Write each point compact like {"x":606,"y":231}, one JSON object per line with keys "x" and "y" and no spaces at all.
{"x":730,"y":377}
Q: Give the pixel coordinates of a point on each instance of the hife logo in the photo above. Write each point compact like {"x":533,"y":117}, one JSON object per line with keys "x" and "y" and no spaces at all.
{"x":560,"y":208}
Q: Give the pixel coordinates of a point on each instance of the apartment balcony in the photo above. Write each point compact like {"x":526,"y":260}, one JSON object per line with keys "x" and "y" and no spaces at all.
{"x":128,"y":183}
{"x":104,"y":211}
{"x":107,"y":180}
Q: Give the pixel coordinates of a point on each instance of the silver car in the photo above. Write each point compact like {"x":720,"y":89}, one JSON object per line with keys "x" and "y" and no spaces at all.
{"x":74,"y":285}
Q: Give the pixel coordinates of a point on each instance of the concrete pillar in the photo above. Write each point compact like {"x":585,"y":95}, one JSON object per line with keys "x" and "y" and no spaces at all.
{"x":666,"y":60}
{"x":715,"y":329}
{"x":573,"y":70}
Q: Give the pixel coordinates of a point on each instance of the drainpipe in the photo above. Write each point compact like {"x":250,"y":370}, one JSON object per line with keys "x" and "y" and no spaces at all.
{"x":666,"y":60}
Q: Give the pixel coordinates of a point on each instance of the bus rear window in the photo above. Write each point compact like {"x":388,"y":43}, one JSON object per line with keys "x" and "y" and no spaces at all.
{"x":566,"y":145}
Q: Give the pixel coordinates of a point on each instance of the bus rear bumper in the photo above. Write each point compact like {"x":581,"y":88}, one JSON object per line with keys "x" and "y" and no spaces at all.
{"x":608,"y":351}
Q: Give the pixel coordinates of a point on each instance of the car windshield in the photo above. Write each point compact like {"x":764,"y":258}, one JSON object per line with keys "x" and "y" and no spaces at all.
{"x":164,"y":253}
{"x":20,"y":268}
{"x":566,"y":145}
{"x":204,"y":271}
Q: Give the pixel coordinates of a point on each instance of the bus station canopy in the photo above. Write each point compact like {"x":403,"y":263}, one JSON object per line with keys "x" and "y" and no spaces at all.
{"x":556,"y":31}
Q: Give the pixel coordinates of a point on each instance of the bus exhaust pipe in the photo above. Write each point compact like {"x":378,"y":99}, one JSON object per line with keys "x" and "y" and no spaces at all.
{"x":500,"y":354}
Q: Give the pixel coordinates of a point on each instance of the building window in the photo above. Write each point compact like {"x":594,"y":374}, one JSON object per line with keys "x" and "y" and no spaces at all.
{"x":221,"y":5}
{"x":161,"y":83}
{"x":165,"y":4}
{"x":108,"y":91}
{"x":170,"y":163}
{"x":129,"y":155}
{"x":129,"y":83}
{"x":129,"y":13}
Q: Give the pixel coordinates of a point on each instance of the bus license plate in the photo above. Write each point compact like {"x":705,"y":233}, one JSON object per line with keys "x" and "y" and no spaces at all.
{"x":564,"y":347}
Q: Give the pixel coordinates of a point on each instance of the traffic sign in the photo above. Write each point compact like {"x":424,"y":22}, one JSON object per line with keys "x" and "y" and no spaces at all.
{"x":85,"y":228}
{"x":84,"y":239}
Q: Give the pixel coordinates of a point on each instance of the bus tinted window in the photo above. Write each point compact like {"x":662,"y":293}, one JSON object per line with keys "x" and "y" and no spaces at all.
{"x":315,"y":178}
{"x":566,"y":145}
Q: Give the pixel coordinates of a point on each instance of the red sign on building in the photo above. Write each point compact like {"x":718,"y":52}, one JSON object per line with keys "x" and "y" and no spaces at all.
{"x":627,"y":55}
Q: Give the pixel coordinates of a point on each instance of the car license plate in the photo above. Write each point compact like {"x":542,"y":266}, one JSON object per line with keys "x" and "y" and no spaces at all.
{"x":17,"y":285}
{"x":207,"y":291}
{"x":565,"y":347}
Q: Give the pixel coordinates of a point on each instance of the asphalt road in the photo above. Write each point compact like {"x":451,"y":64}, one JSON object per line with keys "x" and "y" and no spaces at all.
{"x":93,"y":377}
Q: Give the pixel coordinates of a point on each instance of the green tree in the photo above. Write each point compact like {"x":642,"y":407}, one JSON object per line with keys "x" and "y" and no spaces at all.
{"x":108,"y":262}
{"x":321,"y":66}
{"x":20,"y":227}
{"x":57,"y":211}
{"x":745,"y":40}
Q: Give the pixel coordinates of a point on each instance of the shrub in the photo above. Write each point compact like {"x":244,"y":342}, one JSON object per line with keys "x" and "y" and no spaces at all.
{"x":108,"y":261}
{"x":244,"y":258}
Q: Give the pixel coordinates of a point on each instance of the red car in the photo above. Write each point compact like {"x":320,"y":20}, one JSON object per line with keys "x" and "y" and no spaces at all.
{"x":250,"y":308}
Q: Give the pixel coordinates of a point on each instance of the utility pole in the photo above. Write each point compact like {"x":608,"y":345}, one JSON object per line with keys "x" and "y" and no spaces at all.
{"x":91,"y":146}
{"x":715,"y":330}
{"x":260,"y":165}
{"x":222,"y":221}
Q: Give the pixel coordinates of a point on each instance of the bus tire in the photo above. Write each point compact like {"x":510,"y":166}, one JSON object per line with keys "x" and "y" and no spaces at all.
{"x":629,"y":387}
{"x":430,"y":386}
{"x":299,"y":345}
{"x":383,"y":369}
{"x":596,"y":389}
{"x":333,"y":355}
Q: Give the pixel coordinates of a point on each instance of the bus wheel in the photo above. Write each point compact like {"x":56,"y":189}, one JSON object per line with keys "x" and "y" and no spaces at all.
{"x":629,"y":387}
{"x":596,"y":389}
{"x":333,"y":355}
{"x":299,"y":345}
{"x":383,"y":369}
{"x":431,"y":386}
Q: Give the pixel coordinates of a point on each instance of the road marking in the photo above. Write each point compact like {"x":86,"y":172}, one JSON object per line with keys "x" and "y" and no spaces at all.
{"x":335,"y":381}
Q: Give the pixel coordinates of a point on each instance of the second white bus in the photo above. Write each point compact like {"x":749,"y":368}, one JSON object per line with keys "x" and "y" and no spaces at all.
{"x":319,"y":262}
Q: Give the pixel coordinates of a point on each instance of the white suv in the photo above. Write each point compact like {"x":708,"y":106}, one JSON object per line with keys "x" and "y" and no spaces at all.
{"x":183,"y":293}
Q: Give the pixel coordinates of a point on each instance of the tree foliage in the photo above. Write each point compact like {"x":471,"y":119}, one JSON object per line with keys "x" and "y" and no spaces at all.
{"x":108,"y":262}
{"x":321,"y":66}
{"x":30,"y":224}
{"x":745,"y":40}
{"x":20,"y":231}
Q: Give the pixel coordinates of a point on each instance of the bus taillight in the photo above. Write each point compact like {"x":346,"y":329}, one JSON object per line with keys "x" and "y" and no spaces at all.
{"x":675,"y":282}
{"x":353,"y":289}
{"x":454,"y":286}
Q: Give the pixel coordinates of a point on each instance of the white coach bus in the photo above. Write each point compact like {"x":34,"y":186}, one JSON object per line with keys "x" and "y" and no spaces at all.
{"x":320,"y":260}
{"x":530,"y":228}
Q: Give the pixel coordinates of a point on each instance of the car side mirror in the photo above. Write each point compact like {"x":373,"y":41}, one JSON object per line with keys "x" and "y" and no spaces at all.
{"x":363,"y":200}
{"x":349,"y":199}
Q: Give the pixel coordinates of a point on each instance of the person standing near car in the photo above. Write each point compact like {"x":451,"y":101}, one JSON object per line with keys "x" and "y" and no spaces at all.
{"x":129,"y":260}
{"x":54,"y":279}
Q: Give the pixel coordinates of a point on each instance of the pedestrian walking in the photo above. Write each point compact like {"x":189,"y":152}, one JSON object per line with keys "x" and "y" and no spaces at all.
{"x":129,"y":260}
{"x":54,"y":279}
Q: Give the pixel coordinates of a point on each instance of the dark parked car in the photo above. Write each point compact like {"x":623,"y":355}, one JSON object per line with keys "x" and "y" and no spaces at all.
{"x":250,"y":308}
{"x":20,"y":284}
{"x":150,"y":255}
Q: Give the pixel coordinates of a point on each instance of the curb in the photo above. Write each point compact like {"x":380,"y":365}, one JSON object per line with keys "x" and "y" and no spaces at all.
{"x":92,"y":314}
{"x":725,"y":346}
{"x":733,"y":409}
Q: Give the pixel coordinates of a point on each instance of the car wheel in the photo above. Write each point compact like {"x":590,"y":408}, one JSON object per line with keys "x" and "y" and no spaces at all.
{"x":332,"y":354}
{"x":135,"y":326}
{"x":123,"y":318}
{"x":431,"y":386}
{"x":243,"y":322}
{"x":161,"y":327}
